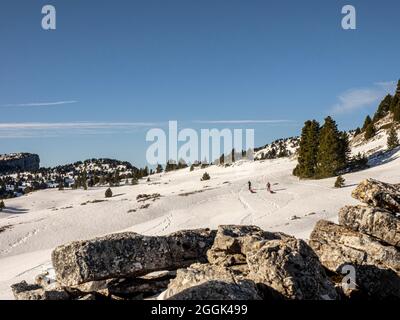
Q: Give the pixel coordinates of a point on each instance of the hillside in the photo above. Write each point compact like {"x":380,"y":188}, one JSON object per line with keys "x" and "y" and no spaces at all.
{"x":32,"y":225}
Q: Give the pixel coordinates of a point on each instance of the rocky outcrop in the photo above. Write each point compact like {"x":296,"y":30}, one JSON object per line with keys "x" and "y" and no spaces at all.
{"x":375,"y":222}
{"x":19,"y":162}
{"x":378,"y":194}
{"x":281,"y":266}
{"x":291,"y":268}
{"x":128,"y":255}
{"x":367,"y":239}
{"x":232,"y":243}
{"x":376,"y":265}
{"x":339,"y":245}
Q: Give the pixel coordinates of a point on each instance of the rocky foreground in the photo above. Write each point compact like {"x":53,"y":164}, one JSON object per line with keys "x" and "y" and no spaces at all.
{"x":357,"y":259}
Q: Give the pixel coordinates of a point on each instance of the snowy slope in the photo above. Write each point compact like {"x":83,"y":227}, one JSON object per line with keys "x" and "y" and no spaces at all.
{"x":34,"y":224}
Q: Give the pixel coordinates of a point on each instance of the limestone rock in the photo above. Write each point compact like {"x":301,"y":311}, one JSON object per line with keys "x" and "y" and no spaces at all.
{"x":233,"y":242}
{"x":378,"y":194}
{"x":377,"y":265}
{"x":209,"y":282}
{"x":128,"y":254}
{"x":291,"y":268}
{"x":25,"y":291}
{"x":18,"y":162}
{"x":378,"y":223}
{"x":219,"y":290}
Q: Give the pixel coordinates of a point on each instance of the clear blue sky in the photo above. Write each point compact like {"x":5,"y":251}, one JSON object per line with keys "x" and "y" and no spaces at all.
{"x":120,"y":66}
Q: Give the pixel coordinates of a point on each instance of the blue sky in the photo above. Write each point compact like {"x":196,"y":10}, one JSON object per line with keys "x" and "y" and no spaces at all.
{"x":114,"y":69}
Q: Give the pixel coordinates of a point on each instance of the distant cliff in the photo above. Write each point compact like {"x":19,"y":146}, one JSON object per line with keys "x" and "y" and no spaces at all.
{"x":18,"y":162}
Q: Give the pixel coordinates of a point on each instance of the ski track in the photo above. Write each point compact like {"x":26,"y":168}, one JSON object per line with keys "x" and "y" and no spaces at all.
{"x":40,"y":229}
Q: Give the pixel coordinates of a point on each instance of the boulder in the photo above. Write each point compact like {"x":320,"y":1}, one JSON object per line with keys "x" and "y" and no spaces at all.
{"x":292,"y":269}
{"x":25,"y":291}
{"x":125,"y":255}
{"x":219,"y":290}
{"x":209,"y":282}
{"x":282,"y":266}
{"x":232,"y":243}
{"x":376,"y":222}
{"x":377,"y":265}
{"x":378,"y":194}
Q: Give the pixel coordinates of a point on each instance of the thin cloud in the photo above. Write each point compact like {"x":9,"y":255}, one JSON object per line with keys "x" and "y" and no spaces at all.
{"x":356,"y":99}
{"x":41,"y":104}
{"x":56,"y":129}
{"x":241,"y":121}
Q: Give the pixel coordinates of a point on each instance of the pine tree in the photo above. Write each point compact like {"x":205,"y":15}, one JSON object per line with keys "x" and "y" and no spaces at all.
{"x":370,"y":131}
{"x":367,"y":122}
{"x":2,"y":205}
{"x":205,"y":177}
{"x":393,"y":139}
{"x":329,"y":156}
{"x":108,"y":193}
{"x":159,"y":168}
{"x":383,"y":108}
{"x":357,"y":132}
{"x":339,"y":183}
{"x":395,"y":104}
{"x":396,"y":113}
{"x":308,"y":149}
{"x":344,"y":151}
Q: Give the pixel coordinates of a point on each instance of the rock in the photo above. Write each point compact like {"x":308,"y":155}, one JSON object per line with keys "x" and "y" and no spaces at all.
{"x":139,"y":288}
{"x":128,"y":254}
{"x":295,"y":217}
{"x":100,"y":286}
{"x":18,"y":162}
{"x":233,"y":242}
{"x":88,"y":297}
{"x":377,"y":265}
{"x":219,"y":290}
{"x":292,"y":269}
{"x":209,"y":282}
{"x":378,"y":194}
{"x":25,"y":291}
{"x":376,"y":222}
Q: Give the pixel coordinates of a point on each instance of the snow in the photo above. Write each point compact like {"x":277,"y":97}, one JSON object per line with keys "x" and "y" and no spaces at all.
{"x":40,"y":221}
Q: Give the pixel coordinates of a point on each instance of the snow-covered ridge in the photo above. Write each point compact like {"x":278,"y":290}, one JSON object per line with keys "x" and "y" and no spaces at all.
{"x":278,"y":149}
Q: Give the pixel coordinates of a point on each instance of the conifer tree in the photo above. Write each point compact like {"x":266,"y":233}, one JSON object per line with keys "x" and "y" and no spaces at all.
{"x":205,"y":177}
{"x":308,"y":149}
{"x":339,"y":183}
{"x":108,"y":193}
{"x":329,"y":157}
{"x":2,"y":205}
{"x":395,"y":104}
{"x":159,"y":168}
{"x":344,"y":151}
{"x":393,"y":139}
{"x":369,"y":131}
{"x":383,"y":108}
{"x":396,"y":113}
{"x":367,"y":122}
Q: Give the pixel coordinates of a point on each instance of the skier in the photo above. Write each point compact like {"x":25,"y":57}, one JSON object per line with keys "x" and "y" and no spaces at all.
{"x":250,"y":189}
{"x":269,"y":187}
